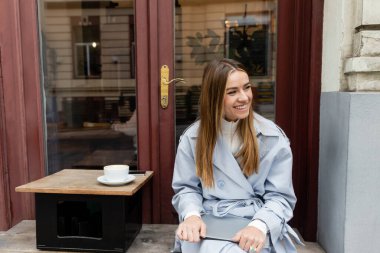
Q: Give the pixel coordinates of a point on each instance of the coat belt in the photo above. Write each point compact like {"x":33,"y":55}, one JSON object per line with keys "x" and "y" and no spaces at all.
{"x":221,"y":208}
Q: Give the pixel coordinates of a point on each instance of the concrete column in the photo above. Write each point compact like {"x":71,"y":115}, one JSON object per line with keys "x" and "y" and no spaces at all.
{"x":349,"y":172}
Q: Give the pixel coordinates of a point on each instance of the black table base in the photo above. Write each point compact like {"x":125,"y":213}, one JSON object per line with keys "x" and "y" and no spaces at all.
{"x":89,"y":223}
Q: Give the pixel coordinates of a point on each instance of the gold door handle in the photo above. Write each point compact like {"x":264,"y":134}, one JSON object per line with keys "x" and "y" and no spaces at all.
{"x":165,"y":85}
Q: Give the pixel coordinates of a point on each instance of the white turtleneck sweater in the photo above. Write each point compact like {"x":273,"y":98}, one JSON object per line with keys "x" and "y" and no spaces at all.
{"x":230,"y":136}
{"x":234,"y":143}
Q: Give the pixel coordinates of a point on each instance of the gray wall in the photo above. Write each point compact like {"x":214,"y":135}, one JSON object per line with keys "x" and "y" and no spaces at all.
{"x":349,"y":172}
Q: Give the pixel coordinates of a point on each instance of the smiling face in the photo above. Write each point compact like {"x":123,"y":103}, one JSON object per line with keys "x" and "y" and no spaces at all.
{"x":238,"y":96}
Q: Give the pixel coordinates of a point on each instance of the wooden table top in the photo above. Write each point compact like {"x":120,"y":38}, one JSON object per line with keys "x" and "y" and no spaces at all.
{"x":77,"y":181}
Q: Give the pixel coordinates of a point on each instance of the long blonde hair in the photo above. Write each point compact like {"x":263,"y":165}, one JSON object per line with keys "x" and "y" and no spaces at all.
{"x":211,"y":103}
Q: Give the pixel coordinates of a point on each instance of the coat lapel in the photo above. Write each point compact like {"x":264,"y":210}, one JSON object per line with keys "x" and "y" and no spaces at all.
{"x":226,"y":162}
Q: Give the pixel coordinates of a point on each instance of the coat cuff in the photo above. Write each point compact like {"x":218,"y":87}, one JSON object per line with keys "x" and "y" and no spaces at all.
{"x":271,"y":219}
{"x":260,"y":225}
{"x":192,"y":213}
{"x":191,"y":208}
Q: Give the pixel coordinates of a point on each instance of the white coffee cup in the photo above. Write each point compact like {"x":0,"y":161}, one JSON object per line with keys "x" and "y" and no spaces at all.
{"x":116,"y":172}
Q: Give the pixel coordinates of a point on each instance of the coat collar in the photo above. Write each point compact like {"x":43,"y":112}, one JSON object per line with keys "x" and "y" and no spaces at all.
{"x":223,"y":158}
{"x":265,"y":127}
{"x":261,"y":124}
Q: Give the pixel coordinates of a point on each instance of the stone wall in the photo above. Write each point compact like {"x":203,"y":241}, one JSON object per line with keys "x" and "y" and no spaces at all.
{"x":363,"y":68}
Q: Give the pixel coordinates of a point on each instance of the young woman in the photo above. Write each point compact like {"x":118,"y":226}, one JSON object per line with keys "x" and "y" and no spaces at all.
{"x":233,"y":162}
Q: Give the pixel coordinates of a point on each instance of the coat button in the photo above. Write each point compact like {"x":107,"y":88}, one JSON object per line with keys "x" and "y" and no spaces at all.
{"x":221,"y":184}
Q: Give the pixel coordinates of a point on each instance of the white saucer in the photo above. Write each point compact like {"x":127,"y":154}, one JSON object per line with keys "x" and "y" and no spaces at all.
{"x":127,"y":180}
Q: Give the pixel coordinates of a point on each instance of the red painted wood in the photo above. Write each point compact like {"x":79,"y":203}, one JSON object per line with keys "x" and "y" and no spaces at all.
{"x":167,"y":124}
{"x":5,"y":210}
{"x":298,"y":93}
{"x":313,"y":120}
{"x":287,"y":95}
{"x":23,"y":131}
{"x":154,"y":108}
{"x":285,"y":71}
{"x":14,"y":116}
{"x":145,"y":139}
{"x":32,"y":87}
{"x":300,"y":89}
{"x":156,"y":126}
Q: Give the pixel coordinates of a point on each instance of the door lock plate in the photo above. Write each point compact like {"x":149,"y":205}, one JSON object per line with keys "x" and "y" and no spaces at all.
{"x":164,"y":86}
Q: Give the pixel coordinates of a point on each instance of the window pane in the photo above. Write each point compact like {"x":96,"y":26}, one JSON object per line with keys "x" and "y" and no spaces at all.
{"x":242,"y":30}
{"x":88,"y":83}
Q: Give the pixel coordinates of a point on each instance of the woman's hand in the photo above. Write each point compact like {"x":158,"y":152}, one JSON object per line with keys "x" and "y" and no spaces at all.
{"x":191,"y":229}
{"x":250,"y":237}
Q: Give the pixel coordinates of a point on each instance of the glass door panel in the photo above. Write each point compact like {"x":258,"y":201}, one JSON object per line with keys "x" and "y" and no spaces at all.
{"x":89,"y":86}
{"x":242,"y":30}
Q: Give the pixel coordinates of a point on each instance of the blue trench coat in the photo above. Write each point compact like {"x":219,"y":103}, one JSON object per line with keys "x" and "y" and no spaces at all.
{"x":267,"y":196}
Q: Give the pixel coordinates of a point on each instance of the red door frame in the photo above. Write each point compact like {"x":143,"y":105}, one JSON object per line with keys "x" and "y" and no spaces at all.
{"x":147,"y":116}
{"x":4,"y":194}
{"x":21,"y":116}
{"x":167,"y":122}
{"x":156,"y":126}
{"x":299,"y":42}
{"x":299,"y":82}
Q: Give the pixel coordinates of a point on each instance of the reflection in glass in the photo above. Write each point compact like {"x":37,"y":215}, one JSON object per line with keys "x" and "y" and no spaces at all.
{"x":242,"y":30}
{"x":247,"y":40}
{"x":86,"y":42}
{"x":88,"y":56}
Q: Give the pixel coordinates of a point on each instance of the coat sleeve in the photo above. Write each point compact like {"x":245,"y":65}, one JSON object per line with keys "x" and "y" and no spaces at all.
{"x":186,"y":185}
{"x":279,"y":197}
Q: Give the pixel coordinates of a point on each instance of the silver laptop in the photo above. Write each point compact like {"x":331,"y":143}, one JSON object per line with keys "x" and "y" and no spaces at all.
{"x":225,"y":228}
